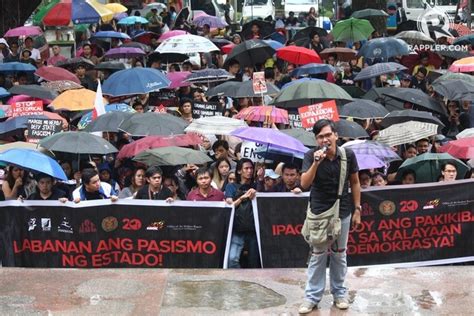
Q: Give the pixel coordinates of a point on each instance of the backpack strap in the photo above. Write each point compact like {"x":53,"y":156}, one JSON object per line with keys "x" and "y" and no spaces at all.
{"x":343,"y":173}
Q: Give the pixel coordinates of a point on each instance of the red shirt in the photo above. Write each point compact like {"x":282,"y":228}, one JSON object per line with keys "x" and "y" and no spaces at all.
{"x":213,"y":195}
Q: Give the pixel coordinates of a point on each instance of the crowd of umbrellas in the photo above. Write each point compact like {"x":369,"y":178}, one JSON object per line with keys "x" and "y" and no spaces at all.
{"x":167,"y":140}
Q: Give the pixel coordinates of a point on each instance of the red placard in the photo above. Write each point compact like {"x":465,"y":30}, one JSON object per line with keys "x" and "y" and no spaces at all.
{"x":310,"y":114}
{"x":259,"y":84}
{"x":26,"y":108}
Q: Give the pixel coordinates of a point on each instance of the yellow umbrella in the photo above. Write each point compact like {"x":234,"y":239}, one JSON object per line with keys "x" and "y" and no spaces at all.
{"x":116,"y":7}
{"x":105,"y":13}
{"x":75,"y":100}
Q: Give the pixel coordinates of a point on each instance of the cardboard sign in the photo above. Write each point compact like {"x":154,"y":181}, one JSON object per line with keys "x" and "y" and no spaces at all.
{"x":259,"y":84}
{"x":205,"y":109}
{"x":250,"y":150}
{"x":310,"y":114}
{"x":41,"y":128}
{"x":26,"y":108}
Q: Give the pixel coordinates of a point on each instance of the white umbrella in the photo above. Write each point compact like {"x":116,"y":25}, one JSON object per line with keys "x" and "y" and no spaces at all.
{"x":407,"y":132}
{"x":215,"y":125}
{"x":468,"y":132}
{"x":187,"y":43}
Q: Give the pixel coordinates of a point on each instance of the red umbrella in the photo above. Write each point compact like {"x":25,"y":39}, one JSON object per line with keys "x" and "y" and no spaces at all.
{"x":146,"y":37}
{"x":150,"y":142}
{"x":265,"y":114}
{"x":226,"y":49}
{"x":461,"y":148}
{"x":24,"y":31}
{"x":56,"y":73}
{"x":298,"y":55}
{"x":410,"y":61}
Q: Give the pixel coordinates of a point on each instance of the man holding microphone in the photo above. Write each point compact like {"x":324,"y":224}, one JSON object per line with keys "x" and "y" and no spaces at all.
{"x":321,"y":170}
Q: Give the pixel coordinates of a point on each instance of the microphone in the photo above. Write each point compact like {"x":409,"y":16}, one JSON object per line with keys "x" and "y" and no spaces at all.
{"x":323,"y":149}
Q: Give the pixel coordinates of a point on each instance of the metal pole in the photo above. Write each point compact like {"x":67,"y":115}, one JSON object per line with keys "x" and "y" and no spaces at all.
{"x":469,"y":12}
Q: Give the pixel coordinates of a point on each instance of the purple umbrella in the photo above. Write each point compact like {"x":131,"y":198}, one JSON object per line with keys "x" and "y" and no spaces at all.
{"x":369,"y":148}
{"x":368,"y":161}
{"x":177,"y":79}
{"x":272,"y":137}
{"x":212,"y":21}
{"x":125,"y":52}
{"x":24,"y":31}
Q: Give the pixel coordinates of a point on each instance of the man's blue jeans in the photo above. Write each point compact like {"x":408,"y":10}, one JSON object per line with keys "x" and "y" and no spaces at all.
{"x":237,"y":243}
{"x":337,"y":267}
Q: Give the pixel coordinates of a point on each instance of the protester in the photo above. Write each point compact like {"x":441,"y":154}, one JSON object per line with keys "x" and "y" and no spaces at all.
{"x":137,"y":182}
{"x":17,"y":184}
{"x":205,"y":191}
{"x":154,"y":190}
{"x":92,"y":188}
{"x":449,"y":171}
{"x":46,"y":191}
{"x":220,"y":172}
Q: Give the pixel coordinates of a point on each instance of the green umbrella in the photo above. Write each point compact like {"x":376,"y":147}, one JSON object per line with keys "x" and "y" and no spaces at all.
{"x":352,"y":30}
{"x":307,"y":92}
{"x":307,"y":138}
{"x":172,"y":156}
{"x":427,"y":166}
{"x":77,"y":143}
{"x":43,"y":10}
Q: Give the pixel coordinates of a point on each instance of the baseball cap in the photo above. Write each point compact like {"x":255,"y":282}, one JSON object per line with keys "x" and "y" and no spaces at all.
{"x":271,"y":174}
{"x":405,"y":76}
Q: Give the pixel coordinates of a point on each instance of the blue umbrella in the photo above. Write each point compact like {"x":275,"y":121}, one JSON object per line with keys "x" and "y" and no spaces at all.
{"x":110,"y":34}
{"x":17,"y":67}
{"x":33,"y":161}
{"x":384,"y":47}
{"x":17,"y":123}
{"x":134,"y":81}
{"x":274,"y":44}
{"x":83,"y":13}
{"x":312,"y":69}
{"x":130,"y":20}
{"x":277,"y":37}
{"x":464,"y":40}
{"x":4,"y":93}
{"x":117,"y":107}
{"x":379,"y":69}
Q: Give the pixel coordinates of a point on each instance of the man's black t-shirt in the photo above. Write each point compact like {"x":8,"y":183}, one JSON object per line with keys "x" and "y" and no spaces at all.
{"x":145,"y":194}
{"x":326,"y":182}
{"x":55,"y":195}
{"x":93,"y":195}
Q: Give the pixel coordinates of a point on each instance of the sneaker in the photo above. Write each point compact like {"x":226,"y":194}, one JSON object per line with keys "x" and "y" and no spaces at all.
{"x":307,"y":307}
{"x":341,"y":303}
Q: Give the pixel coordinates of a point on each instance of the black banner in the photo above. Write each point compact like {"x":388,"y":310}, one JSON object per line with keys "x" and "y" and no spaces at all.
{"x":401,"y":225}
{"x":205,"y":109}
{"x":41,"y":128}
{"x":101,"y":234}
{"x":163,"y":97}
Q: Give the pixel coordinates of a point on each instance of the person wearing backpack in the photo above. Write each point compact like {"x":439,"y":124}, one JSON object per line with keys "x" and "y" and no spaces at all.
{"x":240,"y":193}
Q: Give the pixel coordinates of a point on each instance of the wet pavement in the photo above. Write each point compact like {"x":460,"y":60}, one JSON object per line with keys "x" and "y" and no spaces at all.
{"x":416,"y":291}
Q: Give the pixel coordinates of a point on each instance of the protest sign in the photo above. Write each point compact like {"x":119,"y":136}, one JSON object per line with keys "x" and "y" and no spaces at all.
{"x":205,"y":109}
{"x":258,"y":82}
{"x":310,"y":114}
{"x":26,"y":108}
{"x":41,"y":128}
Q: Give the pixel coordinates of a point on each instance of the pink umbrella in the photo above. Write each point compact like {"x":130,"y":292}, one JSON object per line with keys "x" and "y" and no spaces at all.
{"x":264,"y":113}
{"x":170,"y":34}
{"x":51,"y":73}
{"x":177,"y":79}
{"x":22,"y":98}
{"x":24,"y":31}
{"x":463,"y":65}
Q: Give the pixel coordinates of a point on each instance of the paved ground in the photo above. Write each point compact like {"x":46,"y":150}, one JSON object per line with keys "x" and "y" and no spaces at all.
{"x":421,"y":291}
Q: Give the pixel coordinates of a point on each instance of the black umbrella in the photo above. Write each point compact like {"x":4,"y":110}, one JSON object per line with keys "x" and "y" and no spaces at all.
{"x":167,"y":58}
{"x":245,"y":90}
{"x":108,"y":122}
{"x":73,"y":63}
{"x":379,"y":69}
{"x":110,"y":65}
{"x":220,"y":41}
{"x":77,"y":143}
{"x":354,"y":91}
{"x":227,"y":88}
{"x":251,"y":53}
{"x":308,"y":31}
{"x":418,"y":98}
{"x":402,"y":116}
{"x":366,"y":13}
{"x":142,"y":46}
{"x":266,"y":28}
{"x":456,"y":89}
{"x":34,"y":91}
{"x":145,"y":124}
{"x":307,"y":138}
{"x":377,"y":95}
{"x":349,"y":129}
{"x":454,"y":54}
{"x":363,"y":109}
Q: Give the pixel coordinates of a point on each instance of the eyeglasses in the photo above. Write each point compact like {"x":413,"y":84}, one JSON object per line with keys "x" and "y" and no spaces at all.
{"x":322,"y":137}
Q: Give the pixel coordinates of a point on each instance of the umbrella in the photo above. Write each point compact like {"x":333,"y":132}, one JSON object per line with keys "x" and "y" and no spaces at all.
{"x":454,"y":54}
{"x":212,"y":21}
{"x":413,"y":59}
{"x":142,"y":46}
{"x":14,"y":125}
{"x":468,"y":132}
{"x":366,"y":13}
{"x":384,"y":47}
{"x":379,"y":69}
{"x":463,"y":65}
{"x":272,"y":137}
{"x":131,"y":20}
{"x":343,"y":53}
{"x":172,"y":156}
{"x":110,"y":66}
{"x":42,"y":11}
{"x":145,"y":124}
{"x":363,"y":109}
{"x":125,"y":52}
{"x":266,"y":28}
{"x":350,"y":129}
{"x":214,"y":125}
{"x":418,"y":98}
{"x":56,"y":73}
{"x":34,"y":91}
{"x":150,"y":142}
{"x":77,"y":11}
{"x":461,"y":29}
{"x":226,"y":49}
{"x":461,"y":148}
{"x":75,"y":100}
{"x":146,"y":37}
{"x":251,"y":52}
{"x":305,"y":137}
{"x":397,"y":117}
{"x":178,"y":78}
{"x":61,"y":85}
{"x":245,"y":90}
{"x":33,"y":160}
{"x":24,"y":31}
{"x":352,"y":30}
{"x":18,"y":145}
{"x":273,"y":44}
{"x":111,"y":34}
{"x":172,"y":33}
{"x":427,"y":166}
{"x":307,"y":92}
{"x":108,"y":122}
{"x":455,"y":89}
{"x":228,"y":89}
{"x":185,"y":44}
{"x":75,"y":62}
{"x":369,"y":148}
{"x":265,"y":114}
{"x":414,"y":38}
{"x":134,"y":81}
{"x":77,"y":143}
{"x":354,"y":91}
{"x":298,"y":55}
{"x":308,"y":31}
{"x":454,"y":76}
{"x":220,"y":41}
{"x":377,"y":95}
{"x":312,"y":69}
{"x":209,"y":75}
{"x":407,"y":132}
{"x":4,"y":93}
{"x":86,"y":118}
{"x":116,"y":8}
{"x":168,"y":57}
{"x":16,"y":67}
